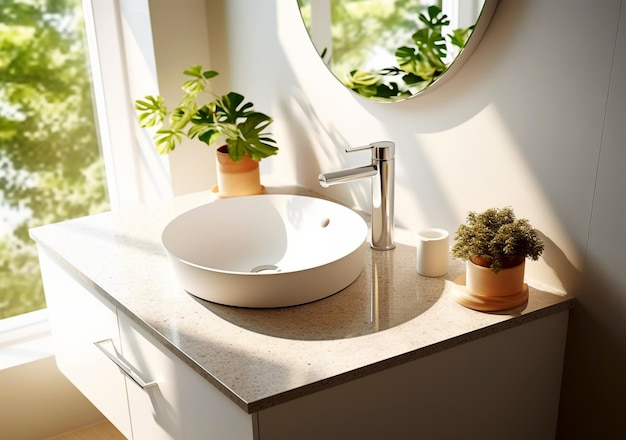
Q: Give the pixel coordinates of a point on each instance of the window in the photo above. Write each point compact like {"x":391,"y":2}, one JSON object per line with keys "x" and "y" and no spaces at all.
{"x":51,"y":167}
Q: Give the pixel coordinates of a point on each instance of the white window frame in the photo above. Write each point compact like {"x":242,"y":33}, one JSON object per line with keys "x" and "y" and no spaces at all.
{"x":125,"y":58}
{"x":119,"y":40}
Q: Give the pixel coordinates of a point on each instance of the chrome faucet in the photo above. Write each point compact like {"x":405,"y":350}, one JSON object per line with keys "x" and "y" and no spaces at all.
{"x":382,"y":169}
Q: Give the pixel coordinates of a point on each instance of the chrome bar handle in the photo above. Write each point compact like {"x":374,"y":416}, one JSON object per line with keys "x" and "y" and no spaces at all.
{"x":122,"y":365}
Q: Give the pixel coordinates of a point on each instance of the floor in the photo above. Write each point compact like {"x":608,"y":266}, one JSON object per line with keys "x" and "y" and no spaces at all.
{"x":101,"y":431}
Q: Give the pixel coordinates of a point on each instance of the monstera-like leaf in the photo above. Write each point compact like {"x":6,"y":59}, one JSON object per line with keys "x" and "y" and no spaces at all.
{"x":251,"y":141}
{"x":227,"y":117}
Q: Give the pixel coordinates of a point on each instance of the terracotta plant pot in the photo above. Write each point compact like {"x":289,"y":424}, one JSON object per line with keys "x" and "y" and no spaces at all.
{"x":482,"y":281}
{"x":237,"y":178}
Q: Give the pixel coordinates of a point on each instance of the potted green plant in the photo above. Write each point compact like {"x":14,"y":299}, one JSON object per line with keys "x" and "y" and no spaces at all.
{"x":226,"y":119}
{"x":495,"y":245}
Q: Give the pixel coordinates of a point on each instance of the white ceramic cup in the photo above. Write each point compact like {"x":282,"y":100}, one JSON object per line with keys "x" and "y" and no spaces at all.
{"x":432,"y":252}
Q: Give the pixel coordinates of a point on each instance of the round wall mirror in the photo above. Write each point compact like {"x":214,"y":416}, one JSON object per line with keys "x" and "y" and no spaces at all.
{"x":391,"y":50}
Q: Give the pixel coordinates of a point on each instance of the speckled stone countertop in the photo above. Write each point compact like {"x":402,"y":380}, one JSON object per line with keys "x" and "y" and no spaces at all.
{"x":259,"y":358}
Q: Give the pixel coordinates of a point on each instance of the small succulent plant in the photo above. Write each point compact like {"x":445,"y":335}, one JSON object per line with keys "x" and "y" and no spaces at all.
{"x":496,"y":239}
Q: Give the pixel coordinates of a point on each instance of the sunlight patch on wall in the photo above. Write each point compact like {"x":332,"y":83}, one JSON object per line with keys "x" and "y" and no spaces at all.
{"x":480,"y":165}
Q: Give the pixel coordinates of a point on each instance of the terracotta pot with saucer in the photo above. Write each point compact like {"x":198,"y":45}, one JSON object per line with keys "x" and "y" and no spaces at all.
{"x":482,"y":289}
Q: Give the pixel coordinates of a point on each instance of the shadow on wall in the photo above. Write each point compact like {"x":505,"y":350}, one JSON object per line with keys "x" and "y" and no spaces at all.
{"x":560,"y":264}
{"x":305,"y":126}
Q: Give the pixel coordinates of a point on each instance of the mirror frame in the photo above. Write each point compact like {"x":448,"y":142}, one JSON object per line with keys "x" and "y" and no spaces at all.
{"x":482,"y":23}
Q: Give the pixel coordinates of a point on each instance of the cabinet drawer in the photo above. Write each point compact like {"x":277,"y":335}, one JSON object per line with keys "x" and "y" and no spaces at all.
{"x":80,"y":317}
{"x":182,"y":405}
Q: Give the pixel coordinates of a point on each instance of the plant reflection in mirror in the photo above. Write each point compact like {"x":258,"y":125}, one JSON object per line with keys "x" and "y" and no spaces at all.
{"x":419,"y":64}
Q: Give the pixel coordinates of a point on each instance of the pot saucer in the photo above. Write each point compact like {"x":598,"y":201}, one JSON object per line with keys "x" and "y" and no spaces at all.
{"x":487,"y":303}
{"x":215,"y":190}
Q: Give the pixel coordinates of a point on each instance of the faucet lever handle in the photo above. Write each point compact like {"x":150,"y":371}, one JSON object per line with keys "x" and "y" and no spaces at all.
{"x":381,"y":150}
{"x":360,"y":148}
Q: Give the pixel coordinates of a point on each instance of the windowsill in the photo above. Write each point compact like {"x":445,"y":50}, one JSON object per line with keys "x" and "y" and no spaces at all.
{"x":25,"y":338}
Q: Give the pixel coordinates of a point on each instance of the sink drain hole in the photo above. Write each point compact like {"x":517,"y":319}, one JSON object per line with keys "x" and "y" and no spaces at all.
{"x":265,"y":268}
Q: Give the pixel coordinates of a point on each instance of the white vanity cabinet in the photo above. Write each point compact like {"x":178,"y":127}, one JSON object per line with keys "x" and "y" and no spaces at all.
{"x":165,"y":399}
{"x":181,"y":404}
{"x":79,"y":319}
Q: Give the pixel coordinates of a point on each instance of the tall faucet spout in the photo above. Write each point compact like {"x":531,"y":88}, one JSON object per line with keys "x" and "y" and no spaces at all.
{"x":336,"y":177}
{"x":382,"y":169}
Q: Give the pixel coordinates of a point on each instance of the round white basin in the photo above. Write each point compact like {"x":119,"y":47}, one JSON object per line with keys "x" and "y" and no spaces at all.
{"x":272,"y":250}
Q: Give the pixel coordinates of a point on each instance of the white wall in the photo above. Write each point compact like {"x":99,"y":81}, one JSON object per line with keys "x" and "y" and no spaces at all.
{"x":535,"y":120}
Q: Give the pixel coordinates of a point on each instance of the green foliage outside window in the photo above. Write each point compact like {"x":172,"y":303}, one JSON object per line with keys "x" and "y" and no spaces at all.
{"x":50,"y":162}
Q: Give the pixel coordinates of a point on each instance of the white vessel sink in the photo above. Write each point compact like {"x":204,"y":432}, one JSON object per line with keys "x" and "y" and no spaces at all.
{"x":264,"y":251}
